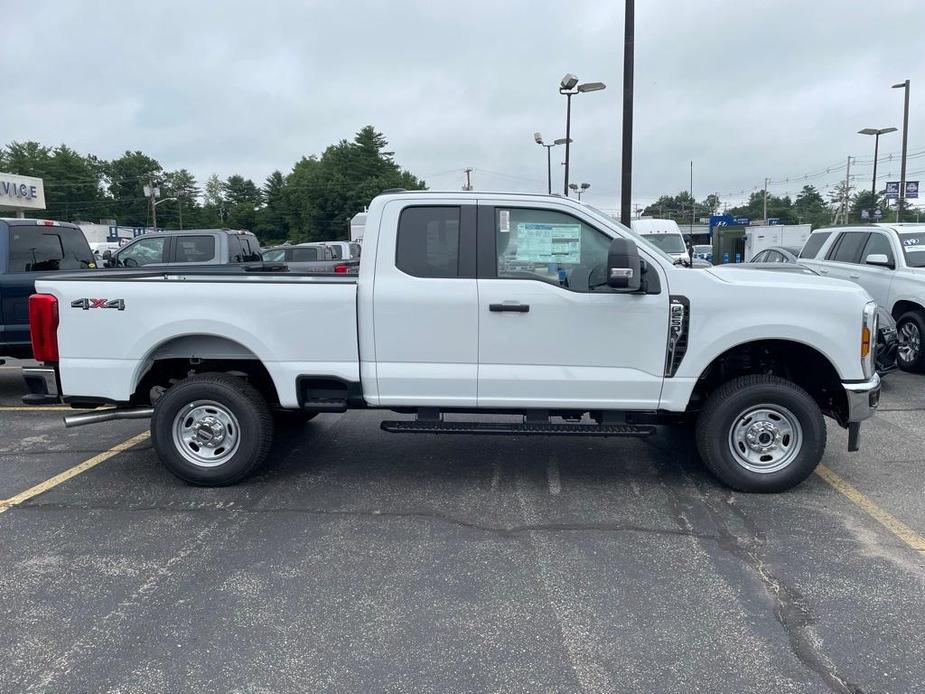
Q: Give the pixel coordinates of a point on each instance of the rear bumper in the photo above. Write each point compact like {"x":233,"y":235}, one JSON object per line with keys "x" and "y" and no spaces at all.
{"x":863,"y":399}
{"x":42,"y":382}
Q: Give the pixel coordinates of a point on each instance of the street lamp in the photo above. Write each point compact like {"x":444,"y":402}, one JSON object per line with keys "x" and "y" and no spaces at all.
{"x":154,"y":204}
{"x":902,"y":174}
{"x":876,"y":132}
{"x":539,"y":140}
{"x":579,"y":191}
{"x":569,"y":86}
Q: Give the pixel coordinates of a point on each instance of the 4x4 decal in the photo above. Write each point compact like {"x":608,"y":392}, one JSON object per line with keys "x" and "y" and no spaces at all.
{"x":87,"y":304}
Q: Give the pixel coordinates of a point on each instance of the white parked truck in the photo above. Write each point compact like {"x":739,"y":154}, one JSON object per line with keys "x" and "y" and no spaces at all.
{"x":664,"y":234}
{"x":475,"y":303}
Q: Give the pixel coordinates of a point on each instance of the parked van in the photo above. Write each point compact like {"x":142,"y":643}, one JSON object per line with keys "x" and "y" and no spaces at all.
{"x":665,"y":234}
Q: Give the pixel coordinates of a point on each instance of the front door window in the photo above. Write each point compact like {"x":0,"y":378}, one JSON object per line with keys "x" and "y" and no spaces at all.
{"x":550,"y":247}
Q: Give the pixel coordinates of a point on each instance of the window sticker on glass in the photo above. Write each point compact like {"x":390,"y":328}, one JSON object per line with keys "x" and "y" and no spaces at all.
{"x":504,"y":221}
{"x":548,"y":243}
{"x":910,"y":242}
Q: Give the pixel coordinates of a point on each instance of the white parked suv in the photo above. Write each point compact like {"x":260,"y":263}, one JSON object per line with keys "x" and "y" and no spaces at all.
{"x":888,"y":260}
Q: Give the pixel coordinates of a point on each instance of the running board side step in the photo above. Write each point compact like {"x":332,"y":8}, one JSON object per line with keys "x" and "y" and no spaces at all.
{"x":413,"y":426}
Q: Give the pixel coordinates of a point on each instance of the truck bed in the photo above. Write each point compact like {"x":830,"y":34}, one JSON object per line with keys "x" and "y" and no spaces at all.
{"x":295,"y":324}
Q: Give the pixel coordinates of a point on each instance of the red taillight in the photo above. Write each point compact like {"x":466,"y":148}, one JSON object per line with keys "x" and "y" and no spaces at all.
{"x":43,"y":324}
{"x":342,"y":269}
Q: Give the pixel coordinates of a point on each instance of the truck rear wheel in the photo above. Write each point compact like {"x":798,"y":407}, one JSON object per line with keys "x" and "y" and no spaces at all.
{"x":761,"y":434}
{"x":911,"y":328}
{"x":212,"y":429}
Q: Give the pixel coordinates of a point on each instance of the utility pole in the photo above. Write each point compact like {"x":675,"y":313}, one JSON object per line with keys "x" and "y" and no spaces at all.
{"x":765,"y":213}
{"x":152,"y":191}
{"x":626,"y":185}
{"x":693,"y":204}
{"x":468,"y":185}
{"x":847,"y":181}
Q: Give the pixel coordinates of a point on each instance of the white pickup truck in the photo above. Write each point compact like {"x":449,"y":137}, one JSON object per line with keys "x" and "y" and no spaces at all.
{"x":474,"y":304}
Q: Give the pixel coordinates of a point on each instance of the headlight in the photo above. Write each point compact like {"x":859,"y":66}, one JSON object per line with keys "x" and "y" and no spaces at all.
{"x":869,"y":338}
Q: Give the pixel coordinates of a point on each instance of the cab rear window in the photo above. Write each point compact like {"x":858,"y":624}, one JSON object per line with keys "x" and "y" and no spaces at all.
{"x":39,"y":248}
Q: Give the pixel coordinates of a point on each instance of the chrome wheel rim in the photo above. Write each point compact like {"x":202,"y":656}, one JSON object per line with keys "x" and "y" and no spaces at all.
{"x":910,"y":342}
{"x":206,"y":433}
{"x":765,"y":438}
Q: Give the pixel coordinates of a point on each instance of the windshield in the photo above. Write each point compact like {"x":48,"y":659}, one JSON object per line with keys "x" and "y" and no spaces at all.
{"x":640,"y":240}
{"x":670,"y":243}
{"x":913,"y":248}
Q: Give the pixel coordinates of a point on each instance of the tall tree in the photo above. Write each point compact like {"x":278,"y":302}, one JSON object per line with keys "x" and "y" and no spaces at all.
{"x":324,"y":193}
{"x":810,"y":208}
{"x":184,"y":212}
{"x":272,"y":220}
{"x":127,"y":177}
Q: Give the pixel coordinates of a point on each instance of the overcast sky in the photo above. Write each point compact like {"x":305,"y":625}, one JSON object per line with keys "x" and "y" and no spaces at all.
{"x":745,"y":89}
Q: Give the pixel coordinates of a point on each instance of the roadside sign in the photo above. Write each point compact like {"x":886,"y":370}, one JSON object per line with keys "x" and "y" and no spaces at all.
{"x":892,"y":190}
{"x":877,"y":213}
{"x":21,"y":192}
{"x":865,"y":214}
{"x":912,"y":189}
{"x":773,"y":220}
{"x":741,"y":221}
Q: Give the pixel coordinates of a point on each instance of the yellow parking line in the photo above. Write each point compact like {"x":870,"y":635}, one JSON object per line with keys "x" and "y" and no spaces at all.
{"x":52,"y":482}
{"x":887,"y":520}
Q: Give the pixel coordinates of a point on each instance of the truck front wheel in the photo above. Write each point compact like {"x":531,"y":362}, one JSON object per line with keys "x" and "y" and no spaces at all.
{"x":761,"y":434}
{"x":212,"y":429}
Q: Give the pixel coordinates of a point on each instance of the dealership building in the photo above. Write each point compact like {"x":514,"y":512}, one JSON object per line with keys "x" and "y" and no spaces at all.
{"x":20,"y":194}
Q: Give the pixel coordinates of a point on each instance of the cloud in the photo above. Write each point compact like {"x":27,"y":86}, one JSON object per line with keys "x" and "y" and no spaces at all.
{"x":745,"y":90}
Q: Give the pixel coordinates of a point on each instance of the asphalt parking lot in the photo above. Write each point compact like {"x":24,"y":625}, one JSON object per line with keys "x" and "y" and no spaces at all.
{"x":360,"y":561}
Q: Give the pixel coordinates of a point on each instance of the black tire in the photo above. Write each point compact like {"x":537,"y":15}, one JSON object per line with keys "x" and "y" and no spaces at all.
{"x":292,"y":418}
{"x":724,"y":417}
{"x":911,"y":329}
{"x":250,"y":422}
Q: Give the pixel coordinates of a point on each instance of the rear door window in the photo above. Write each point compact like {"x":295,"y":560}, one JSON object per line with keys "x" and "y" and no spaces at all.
{"x":428,"y":242}
{"x":814,"y":243}
{"x":194,"y":249}
{"x":847,"y":248}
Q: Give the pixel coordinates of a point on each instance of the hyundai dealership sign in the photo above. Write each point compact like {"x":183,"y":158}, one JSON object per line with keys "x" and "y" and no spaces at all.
{"x":21,"y":192}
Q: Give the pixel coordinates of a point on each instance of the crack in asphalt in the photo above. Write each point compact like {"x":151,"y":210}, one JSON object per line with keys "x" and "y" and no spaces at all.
{"x":790,"y":609}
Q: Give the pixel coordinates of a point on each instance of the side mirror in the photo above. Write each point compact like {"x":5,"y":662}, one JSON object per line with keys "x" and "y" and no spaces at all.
{"x":107,"y":254}
{"x":878,"y":259}
{"x":624,"y":266}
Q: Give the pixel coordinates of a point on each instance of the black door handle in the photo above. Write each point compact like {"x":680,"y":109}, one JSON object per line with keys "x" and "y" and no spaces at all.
{"x":516,"y":308}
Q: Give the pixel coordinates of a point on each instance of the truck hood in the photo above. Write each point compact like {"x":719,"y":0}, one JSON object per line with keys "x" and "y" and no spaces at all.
{"x":775,"y":278}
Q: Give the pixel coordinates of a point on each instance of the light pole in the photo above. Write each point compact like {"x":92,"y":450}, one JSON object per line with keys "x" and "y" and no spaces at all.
{"x":569,"y":86}
{"x":539,"y":140}
{"x":626,"y":175}
{"x":876,"y":132}
{"x":902,"y":174}
{"x":574,"y":187}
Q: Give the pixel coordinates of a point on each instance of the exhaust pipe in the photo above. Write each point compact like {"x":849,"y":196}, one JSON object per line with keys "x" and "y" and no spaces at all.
{"x":79,"y":420}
